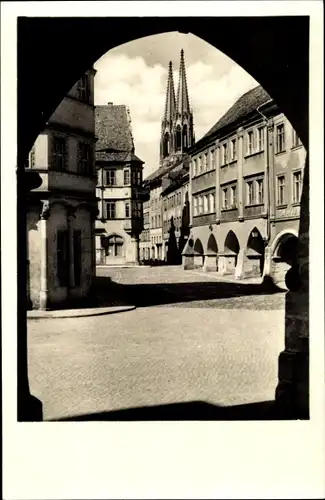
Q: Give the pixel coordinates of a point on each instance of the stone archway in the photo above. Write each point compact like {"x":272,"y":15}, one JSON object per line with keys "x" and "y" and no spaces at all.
{"x":36,"y":106}
{"x":284,"y":256}
{"x":228,"y":258}
{"x":255,"y":253}
{"x":211,"y":256}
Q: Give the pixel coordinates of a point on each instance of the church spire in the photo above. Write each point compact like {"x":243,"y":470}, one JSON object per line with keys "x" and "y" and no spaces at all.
{"x":170,"y":97}
{"x":182,"y":103}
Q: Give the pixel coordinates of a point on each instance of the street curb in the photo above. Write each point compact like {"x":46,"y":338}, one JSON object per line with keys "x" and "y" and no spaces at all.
{"x":248,"y":281}
{"x":78,"y":313}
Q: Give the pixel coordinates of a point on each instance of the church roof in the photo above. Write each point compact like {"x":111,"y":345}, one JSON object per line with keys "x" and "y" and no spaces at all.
{"x":113,"y":128}
{"x":243,"y":107}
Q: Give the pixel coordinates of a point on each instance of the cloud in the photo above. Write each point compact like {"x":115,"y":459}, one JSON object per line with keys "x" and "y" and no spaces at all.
{"x":214,"y":84}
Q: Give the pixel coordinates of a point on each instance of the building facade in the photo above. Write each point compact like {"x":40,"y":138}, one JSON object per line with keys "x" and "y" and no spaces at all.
{"x":61,"y":212}
{"x":168,"y":185}
{"x":145,"y":243}
{"x":246,"y":180}
{"x":119,"y":188}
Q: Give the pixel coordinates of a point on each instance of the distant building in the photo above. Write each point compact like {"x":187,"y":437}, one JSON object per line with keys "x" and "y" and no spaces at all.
{"x":61,"y":212}
{"x":245,"y":182}
{"x":168,"y":184}
{"x":119,"y":188}
{"x":145,"y":245}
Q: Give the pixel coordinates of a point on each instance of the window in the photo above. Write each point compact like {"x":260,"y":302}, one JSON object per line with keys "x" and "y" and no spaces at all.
{"x":194,"y":168}
{"x":280,"y":139}
{"x":205,"y":204}
{"x":60,"y":153}
{"x":126,"y":177}
{"x":280,"y":190}
{"x":77,"y":251}
{"x":139,"y":177}
{"x":259,"y":191}
{"x":211,"y":203}
{"x":195,"y":210}
{"x":152,"y":222}
{"x":233,"y":199}
{"x":233,"y":151}
{"x":84,"y":159}
{"x":225,"y":198}
{"x":127,"y":209}
{"x":62,"y":257}
{"x":213,"y":162}
{"x":250,"y":142}
{"x":297,"y":186}
{"x":224,"y":154}
{"x":296,"y":142}
{"x":200,"y":205}
{"x":83,"y":89}
{"x":199,"y":165}
{"x":110,"y":177}
{"x":260,"y":139}
{"x":115,"y":246}
{"x":206,"y":165}
{"x":250,"y":192}
{"x":110,"y":210}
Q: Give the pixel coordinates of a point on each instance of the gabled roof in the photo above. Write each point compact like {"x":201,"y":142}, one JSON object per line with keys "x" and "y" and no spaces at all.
{"x":113,"y":128}
{"x":243,"y":107}
{"x":161,"y":171}
{"x":118,"y":156}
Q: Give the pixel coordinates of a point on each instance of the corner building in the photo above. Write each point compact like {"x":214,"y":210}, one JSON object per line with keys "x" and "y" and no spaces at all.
{"x":61,"y":212}
{"x":246,"y":181}
{"x":119,"y":188}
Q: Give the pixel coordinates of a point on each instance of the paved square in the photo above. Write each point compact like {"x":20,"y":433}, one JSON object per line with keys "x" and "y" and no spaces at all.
{"x":180,"y":344}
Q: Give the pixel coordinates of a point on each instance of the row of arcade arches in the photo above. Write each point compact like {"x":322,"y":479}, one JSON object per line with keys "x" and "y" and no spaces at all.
{"x":224,"y":259}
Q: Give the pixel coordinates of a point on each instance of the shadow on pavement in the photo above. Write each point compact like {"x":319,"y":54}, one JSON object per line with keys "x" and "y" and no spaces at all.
{"x":194,"y":410}
{"x":144,"y":295}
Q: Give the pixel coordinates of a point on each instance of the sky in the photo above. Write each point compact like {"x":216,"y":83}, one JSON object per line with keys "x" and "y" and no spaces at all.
{"x":135,"y":74}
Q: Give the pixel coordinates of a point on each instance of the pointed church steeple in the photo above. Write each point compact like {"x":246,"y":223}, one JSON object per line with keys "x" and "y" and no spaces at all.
{"x":170,"y":97}
{"x":182,"y":103}
{"x":177,"y":134}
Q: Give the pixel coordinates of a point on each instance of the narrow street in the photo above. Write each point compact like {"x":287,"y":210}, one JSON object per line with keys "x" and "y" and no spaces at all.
{"x":191,"y":338}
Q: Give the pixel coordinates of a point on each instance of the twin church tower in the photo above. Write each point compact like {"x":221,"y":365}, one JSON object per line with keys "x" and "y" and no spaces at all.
{"x":177,"y":132}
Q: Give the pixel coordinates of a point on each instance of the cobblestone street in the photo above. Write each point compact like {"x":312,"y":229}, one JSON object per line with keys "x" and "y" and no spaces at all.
{"x":191,"y":338}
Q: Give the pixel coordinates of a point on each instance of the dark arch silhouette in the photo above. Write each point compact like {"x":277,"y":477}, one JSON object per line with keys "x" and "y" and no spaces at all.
{"x":178,"y":138}
{"x":232,"y":243}
{"x":255,"y":252}
{"x":166,"y":145}
{"x":287,"y":249}
{"x":185,"y":144}
{"x":39,"y":96}
{"x":198,"y":247}
{"x":212,"y":244}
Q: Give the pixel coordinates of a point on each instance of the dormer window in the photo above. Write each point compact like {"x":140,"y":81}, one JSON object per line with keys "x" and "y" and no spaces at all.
{"x":84,"y":88}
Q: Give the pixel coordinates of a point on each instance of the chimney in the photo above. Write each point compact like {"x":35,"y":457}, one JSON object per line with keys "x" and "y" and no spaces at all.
{"x":109,"y":104}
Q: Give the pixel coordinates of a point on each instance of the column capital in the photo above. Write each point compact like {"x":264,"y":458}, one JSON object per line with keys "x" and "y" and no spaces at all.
{"x":217,"y":143}
{"x":45,"y":210}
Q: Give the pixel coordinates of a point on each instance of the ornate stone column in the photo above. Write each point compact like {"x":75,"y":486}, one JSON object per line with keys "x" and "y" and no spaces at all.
{"x":292,"y":392}
{"x":43,"y":275}
{"x":240,"y":165}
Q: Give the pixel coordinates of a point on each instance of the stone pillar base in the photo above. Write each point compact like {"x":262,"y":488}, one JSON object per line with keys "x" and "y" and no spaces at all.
{"x":240,"y":270}
{"x":210,"y":263}
{"x":187,"y":262}
{"x":292,"y":392}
